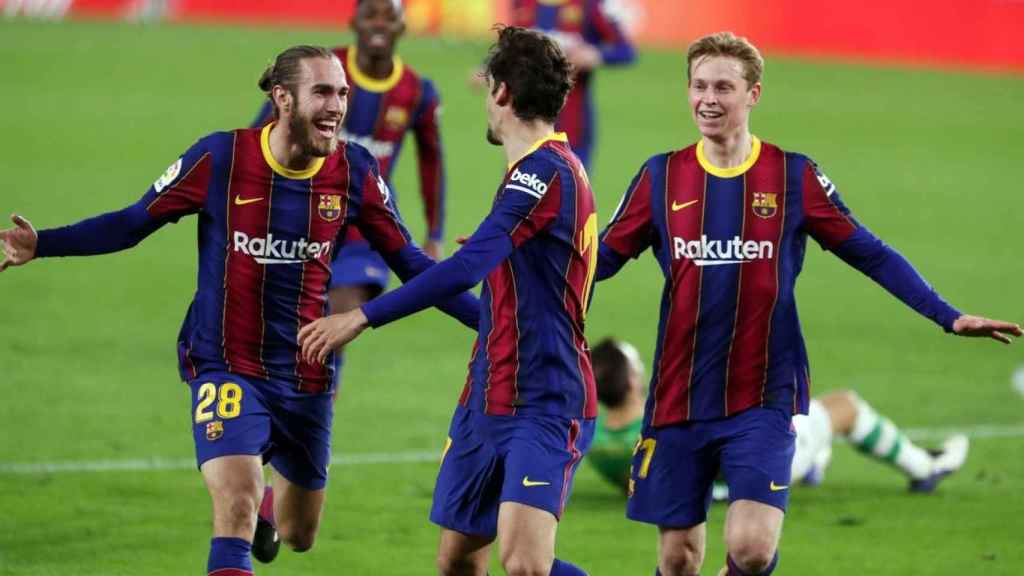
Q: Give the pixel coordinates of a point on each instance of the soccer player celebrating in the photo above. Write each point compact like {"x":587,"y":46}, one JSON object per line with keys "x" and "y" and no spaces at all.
{"x":526,"y":414}
{"x":591,"y":38}
{"x":727,"y":220}
{"x":273,"y":204}
{"x":619,"y":376}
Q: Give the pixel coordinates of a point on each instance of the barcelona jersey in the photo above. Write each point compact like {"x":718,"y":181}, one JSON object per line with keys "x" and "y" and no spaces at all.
{"x":267,"y":235}
{"x":730,"y":243}
{"x":531,"y":356}
{"x":570,"y":22}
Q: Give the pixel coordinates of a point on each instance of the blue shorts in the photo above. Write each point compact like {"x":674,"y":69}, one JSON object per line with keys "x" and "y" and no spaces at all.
{"x":674,"y":466}
{"x":356,"y":264}
{"x":234,"y":414}
{"x":493,"y":459}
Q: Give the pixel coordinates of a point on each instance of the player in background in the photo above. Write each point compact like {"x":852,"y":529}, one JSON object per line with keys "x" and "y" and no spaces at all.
{"x":727,"y":220}
{"x":272,"y":206}
{"x":619,"y":375}
{"x":526,"y":415}
{"x":591,"y":38}
{"x":386,"y":101}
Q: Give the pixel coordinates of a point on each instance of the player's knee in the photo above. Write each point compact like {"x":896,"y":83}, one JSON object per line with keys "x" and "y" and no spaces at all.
{"x":751,"y":552}
{"x":236,"y":511}
{"x":449,"y":565}
{"x":683,"y":560}
{"x":300,"y":537}
{"x":518,"y":563}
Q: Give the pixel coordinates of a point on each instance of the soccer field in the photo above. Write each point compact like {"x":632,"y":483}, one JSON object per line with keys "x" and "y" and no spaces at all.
{"x":95,"y":449}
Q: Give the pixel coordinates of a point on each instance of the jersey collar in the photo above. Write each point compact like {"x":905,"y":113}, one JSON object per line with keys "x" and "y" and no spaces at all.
{"x":276,"y":166}
{"x":373,"y":84}
{"x":755,"y":152}
{"x":556,"y":137}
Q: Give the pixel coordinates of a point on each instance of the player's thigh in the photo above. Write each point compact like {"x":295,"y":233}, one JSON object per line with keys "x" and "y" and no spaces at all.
{"x":756,"y":455}
{"x":468,"y":487}
{"x":459,"y":553}
{"x":235,"y":484}
{"x":526,"y":535}
{"x":295,"y":507}
{"x":541,"y":455}
{"x":671,"y":475}
{"x":753,"y":528}
{"x":301,"y":438}
{"x":230,"y":417}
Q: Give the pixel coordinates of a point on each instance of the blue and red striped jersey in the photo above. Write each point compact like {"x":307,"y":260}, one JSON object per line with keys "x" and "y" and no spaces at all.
{"x":380,"y":114}
{"x":570,"y":22}
{"x":730,"y":243}
{"x":267,"y":235}
{"x":531,"y":356}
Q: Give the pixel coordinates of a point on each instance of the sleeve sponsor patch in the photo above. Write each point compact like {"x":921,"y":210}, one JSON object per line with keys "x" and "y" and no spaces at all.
{"x":527,"y":182}
{"x":167,"y":177}
{"x":826,"y":184}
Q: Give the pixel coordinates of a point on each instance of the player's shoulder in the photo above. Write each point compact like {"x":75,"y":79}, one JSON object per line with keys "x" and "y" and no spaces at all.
{"x":220,"y":142}
{"x":359,"y":158}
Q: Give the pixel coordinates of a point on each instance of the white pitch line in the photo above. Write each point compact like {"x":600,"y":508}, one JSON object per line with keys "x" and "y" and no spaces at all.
{"x":367,"y":458}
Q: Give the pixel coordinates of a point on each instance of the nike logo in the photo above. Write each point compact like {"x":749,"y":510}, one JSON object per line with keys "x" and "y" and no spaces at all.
{"x":527,"y":482}
{"x":240,"y":202}
{"x":678,"y":207}
{"x":775,"y":487}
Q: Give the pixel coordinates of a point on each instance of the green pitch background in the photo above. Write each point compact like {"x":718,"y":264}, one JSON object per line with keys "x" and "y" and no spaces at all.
{"x":93,"y":113}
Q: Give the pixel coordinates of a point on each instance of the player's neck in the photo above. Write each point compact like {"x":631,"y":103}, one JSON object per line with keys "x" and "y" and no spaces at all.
{"x":376,"y":67}
{"x":521,"y":136}
{"x":286,"y":152}
{"x":728,"y":151}
{"x":626,"y":414}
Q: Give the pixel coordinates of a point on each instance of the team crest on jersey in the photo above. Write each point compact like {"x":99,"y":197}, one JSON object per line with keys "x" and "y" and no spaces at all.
{"x":330,"y":207}
{"x":765,"y":204}
{"x":167,"y":177}
{"x":571,"y":15}
{"x":396,"y":117}
{"x":214,"y":430}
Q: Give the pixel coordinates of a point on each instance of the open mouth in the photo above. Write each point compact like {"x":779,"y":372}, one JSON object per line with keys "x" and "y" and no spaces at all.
{"x":710,"y":114}
{"x":377,"y":40}
{"x":326,"y":128}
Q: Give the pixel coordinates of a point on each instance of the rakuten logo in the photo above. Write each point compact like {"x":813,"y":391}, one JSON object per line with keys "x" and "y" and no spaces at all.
{"x":272,"y":251}
{"x":532,"y":185}
{"x":706,"y":252}
{"x":377,"y":148}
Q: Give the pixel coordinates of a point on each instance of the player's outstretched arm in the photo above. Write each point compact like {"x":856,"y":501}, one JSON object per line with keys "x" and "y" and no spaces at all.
{"x":979,"y":327}
{"x":19,"y":242}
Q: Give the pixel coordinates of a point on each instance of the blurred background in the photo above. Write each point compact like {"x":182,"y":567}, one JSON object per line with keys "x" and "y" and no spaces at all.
{"x":912,"y":108}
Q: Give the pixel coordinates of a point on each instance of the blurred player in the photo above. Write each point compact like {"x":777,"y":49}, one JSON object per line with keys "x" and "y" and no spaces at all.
{"x":728,"y":220}
{"x":619,"y":375}
{"x":526,"y":414}
{"x":272,"y":204}
{"x":591,"y":38}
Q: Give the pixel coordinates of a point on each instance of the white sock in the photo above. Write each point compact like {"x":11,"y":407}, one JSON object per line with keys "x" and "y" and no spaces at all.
{"x":878,"y":437}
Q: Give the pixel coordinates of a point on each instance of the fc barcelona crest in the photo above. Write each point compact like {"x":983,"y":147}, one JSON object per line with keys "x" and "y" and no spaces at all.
{"x":396,"y":117}
{"x":765,"y":204}
{"x":330,"y":207}
{"x":214,"y":430}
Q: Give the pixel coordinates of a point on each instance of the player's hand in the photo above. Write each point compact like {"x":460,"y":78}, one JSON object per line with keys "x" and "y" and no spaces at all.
{"x":583,"y":56}
{"x":460,"y":240}
{"x":978,"y":327}
{"x":434,"y":249}
{"x":19,"y":243}
{"x":320,"y":337}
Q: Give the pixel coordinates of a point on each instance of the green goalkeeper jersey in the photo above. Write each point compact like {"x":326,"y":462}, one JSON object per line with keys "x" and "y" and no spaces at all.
{"x":612,"y":450}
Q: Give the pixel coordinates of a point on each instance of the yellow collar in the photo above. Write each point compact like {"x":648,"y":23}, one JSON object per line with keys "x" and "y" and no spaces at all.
{"x":276,"y":166}
{"x":755,"y":152}
{"x":373,"y":84}
{"x":556,"y":137}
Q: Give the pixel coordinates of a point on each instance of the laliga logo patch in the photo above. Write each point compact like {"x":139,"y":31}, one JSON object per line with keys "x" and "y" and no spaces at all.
{"x":329,"y":207}
{"x":214,"y":430}
{"x":384,"y":190}
{"x":167,"y":177}
{"x":765,"y":205}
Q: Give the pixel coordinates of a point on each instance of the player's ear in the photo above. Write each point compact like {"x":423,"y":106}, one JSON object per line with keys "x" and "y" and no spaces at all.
{"x":755,"y":94}
{"x":501,"y":94}
{"x":282,"y":98}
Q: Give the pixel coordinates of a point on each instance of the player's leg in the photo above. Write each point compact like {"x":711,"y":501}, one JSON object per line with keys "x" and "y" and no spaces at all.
{"x":466,"y":497}
{"x":757,"y":458}
{"x":461,"y":554}
{"x":235,"y":484}
{"x":541,"y":458}
{"x":877,"y":437}
{"x":297,"y":511}
{"x":813,"y":444}
{"x":671,"y":480}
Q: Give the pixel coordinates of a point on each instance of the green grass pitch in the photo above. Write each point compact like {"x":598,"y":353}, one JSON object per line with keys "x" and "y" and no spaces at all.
{"x":93,"y":113}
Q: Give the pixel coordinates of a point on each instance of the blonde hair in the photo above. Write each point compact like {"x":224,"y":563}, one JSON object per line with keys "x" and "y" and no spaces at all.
{"x":731,"y":46}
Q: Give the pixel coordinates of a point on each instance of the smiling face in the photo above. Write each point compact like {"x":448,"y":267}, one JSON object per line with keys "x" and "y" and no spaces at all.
{"x":720,"y":97}
{"x":377,"y":25}
{"x":316,"y":106}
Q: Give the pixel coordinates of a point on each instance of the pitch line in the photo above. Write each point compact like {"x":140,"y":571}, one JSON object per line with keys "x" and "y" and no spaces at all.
{"x":368,"y":458}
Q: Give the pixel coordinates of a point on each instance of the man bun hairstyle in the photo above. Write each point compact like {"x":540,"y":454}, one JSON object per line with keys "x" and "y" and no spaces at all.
{"x":534,"y":69}
{"x":287,"y":70}
{"x":729,"y":45}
